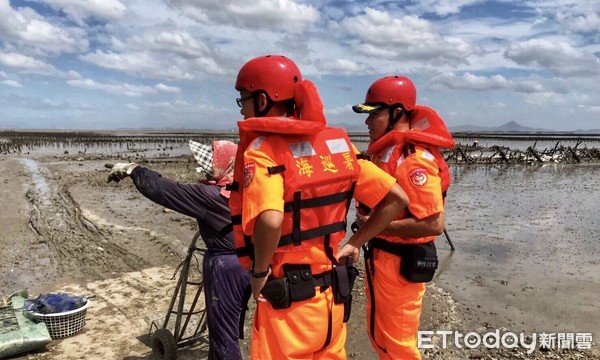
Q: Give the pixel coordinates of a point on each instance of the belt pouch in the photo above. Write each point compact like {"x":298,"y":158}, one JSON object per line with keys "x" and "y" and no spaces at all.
{"x":277,"y":292}
{"x":419,"y":262}
{"x":342,"y":283}
{"x":301,"y":282}
{"x":347,"y":309}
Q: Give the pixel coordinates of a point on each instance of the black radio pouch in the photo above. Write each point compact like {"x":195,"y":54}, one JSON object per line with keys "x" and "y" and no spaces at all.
{"x":419,"y":262}
{"x":277,"y":292}
{"x":300,"y":280}
{"x":343,"y":281}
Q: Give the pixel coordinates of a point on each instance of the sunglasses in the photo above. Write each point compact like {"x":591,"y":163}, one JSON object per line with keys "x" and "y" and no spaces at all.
{"x":239,"y":101}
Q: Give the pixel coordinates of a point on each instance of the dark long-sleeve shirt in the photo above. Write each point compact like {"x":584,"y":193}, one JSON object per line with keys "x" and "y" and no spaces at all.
{"x":200,"y":201}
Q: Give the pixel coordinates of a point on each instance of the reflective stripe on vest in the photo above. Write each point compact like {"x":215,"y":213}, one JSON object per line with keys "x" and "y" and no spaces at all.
{"x":320,"y":173}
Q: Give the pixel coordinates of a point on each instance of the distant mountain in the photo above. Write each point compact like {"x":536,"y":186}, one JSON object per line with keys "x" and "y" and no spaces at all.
{"x":511,"y":126}
{"x":591,"y":131}
{"x":358,"y":127}
{"x":469,"y":128}
{"x":514,"y":127}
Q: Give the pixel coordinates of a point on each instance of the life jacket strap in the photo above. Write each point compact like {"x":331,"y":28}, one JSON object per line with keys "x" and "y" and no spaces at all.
{"x":234,"y":186}
{"x":363,"y":156}
{"x":313,"y":233}
{"x":247,"y":250}
{"x":296,"y":231}
{"x":370,"y":273}
{"x":408,"y":150}
{"x":276,"y":169}
{"x":318,"y":201}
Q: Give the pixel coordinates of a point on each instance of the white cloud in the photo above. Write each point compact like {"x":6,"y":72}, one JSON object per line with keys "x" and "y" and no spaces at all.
{"x":169,"y":89}
{"x":282,"y":15}
{"x":341,"y":66}
{"x":499,"y":105}
{"x":140,"y":64}
{"x":121,"y":89}
{"x":470,"y":81}
{"x":534,"y":88}
{"x":73,"y":75}
{"x":11,"y":83}
{"x":181,"y":43}
{"x":209,"y":66}
{"x":25,"y":28}
{"x":129,"y":63}
{"x":163,"y":54}
{"x":408,"y":37}
{"x":378,"y":27}
{"x":179,"y":58}
{"x":558,"y":57}
{"x":24,"y":62}
{"x":544,"y":98}
{"x":446,"y":7}
{"x":529,"y":86}
{"x":51,"y":103}
{"x":81,"y":10}
{"x":160,"y":104}
{"x":570,"y":15}
{"x":341,"y":110}
{"x":488,"y":32}
{"x":590,"y":108}
{"x":12,"y":21}
{"x":581,"y":22}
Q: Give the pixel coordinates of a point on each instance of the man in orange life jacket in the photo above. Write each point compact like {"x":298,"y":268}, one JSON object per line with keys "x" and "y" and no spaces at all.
{"x":295,"y":183}
{"x":405,"y":139}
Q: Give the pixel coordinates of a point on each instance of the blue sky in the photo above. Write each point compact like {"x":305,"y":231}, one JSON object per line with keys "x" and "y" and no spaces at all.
{"x":110,"y":64}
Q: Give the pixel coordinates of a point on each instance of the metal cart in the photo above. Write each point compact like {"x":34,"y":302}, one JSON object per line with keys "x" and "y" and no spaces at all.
{"x":183,"y":325}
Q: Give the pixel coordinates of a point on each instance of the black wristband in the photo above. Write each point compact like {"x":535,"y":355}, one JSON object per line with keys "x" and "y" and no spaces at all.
{"x":260,"y":274}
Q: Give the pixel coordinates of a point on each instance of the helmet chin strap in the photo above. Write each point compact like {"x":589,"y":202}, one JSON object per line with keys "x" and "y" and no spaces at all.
{"x":394,"y":119}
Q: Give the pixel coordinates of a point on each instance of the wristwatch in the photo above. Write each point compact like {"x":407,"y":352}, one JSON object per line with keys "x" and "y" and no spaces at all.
{"x":260,"y":275}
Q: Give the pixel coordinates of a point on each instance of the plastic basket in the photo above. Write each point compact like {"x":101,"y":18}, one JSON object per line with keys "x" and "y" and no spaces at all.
{"x":64,"y":324}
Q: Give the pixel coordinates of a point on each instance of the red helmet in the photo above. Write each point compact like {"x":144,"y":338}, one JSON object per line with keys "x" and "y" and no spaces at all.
{"x":391,"y":90}
{"x":274,"y":74}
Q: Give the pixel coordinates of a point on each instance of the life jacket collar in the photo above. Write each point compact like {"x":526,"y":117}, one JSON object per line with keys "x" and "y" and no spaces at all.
{"x":426,"y":127}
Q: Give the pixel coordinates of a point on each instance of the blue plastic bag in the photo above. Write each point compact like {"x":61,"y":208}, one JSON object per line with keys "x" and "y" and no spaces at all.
{"x":54,"y":303}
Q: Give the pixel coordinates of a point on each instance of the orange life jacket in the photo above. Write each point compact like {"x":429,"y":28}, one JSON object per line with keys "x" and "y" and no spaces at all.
{"x":428,"y":130}
{"x":319,"y":172}
{"x":318,"y":186}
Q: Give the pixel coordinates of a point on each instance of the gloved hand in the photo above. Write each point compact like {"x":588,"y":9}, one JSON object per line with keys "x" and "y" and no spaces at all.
{"x":119,"y":171}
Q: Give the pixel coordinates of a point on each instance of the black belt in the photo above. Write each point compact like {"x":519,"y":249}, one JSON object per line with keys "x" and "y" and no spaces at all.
{"x":389,"y":247}
{"x":323,"y":279}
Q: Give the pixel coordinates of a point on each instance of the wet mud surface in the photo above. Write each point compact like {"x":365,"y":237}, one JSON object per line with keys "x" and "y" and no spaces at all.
{"x":526,"y":256}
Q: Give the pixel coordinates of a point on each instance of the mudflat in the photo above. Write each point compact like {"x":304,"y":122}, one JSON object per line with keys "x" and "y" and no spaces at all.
{"x":526,"y":258}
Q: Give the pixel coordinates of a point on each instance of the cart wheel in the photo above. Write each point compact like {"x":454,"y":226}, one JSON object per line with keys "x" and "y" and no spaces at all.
{"x":164,"y":346}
